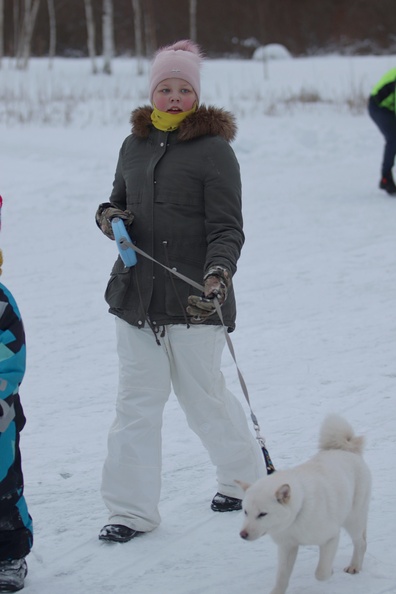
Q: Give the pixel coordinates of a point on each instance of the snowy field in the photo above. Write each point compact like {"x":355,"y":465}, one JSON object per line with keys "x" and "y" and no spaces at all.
{"x":316,"y":330}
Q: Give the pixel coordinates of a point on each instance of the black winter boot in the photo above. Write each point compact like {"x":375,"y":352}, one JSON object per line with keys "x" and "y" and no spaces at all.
{"x":223,"y":503}
{"x":117,"y":533}
{"x":388,"y":184}
{"x":12,"y":575}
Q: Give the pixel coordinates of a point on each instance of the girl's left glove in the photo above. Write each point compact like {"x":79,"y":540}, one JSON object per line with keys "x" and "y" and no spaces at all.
{"x":216,"y":284}
{"x":104,"y":215}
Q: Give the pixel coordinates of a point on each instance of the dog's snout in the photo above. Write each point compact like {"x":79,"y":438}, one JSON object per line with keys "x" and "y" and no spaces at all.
{"x":244,"y":534}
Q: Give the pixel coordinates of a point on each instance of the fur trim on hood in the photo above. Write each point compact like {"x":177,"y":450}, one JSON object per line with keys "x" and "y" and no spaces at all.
{"x":205,"y":121}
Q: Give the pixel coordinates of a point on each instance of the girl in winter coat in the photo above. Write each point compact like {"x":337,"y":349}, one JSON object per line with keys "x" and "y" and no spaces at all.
{"x":382,"y":110}
{"x":177,"y":186}
{"x":16,"y":532}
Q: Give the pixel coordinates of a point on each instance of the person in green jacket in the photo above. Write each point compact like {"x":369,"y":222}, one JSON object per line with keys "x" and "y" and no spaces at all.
{"x":382,"y":110}
{"x":177,"y":186}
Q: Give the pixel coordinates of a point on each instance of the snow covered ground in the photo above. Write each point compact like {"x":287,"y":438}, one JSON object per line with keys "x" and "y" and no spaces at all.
{"x":316,"y":327}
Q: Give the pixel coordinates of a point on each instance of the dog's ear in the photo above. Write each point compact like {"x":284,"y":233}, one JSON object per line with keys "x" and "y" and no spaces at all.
{"x":243,"y":485}
{"x":283,"y":494}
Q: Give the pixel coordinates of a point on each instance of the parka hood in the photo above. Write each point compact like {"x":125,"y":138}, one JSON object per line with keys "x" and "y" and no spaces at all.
{"x":205,"y":121}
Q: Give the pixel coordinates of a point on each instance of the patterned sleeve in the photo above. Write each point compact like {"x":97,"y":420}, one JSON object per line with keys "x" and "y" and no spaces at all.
{"x":12,"y":345}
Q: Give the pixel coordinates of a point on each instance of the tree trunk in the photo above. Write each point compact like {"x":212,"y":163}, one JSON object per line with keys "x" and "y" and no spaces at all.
{"x":1,"y":31}
{"x":193,"y":20}
{"x":90,"y":34}
{"x":52,"y":28}
{"x":25,"y":42}
{"x":108,"y":35}
{"x":137,"y":18}
{"x":149,"y":28}
{"x":16,"y":32}
{"x":21,"y":16}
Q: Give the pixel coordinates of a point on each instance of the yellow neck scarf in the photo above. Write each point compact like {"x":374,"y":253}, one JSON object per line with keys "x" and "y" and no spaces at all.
{"x":168,"y":122}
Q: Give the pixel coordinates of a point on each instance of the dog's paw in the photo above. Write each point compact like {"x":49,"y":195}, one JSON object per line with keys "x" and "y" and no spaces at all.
{"x":352,"y":569}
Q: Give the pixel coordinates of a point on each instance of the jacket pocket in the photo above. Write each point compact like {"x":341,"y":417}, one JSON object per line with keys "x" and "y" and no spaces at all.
{"x":179,"y":198}
{"x":132,"y":198}
{"x":119,"y":286}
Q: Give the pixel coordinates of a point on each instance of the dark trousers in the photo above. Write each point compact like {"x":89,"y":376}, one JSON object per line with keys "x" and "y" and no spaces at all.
{"x":385,"y":119}
{"x":16,"y":531}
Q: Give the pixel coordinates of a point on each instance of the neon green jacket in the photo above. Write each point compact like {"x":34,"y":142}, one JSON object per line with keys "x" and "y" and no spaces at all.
{"x":384,"y":92}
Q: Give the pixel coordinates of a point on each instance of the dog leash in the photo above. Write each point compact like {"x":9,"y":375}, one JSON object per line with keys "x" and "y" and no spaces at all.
{"x":268,"y":462}
{"x":124,"y":244}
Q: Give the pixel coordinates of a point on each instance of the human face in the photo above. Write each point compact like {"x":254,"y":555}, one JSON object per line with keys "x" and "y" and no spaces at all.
{"x":174,"y":95}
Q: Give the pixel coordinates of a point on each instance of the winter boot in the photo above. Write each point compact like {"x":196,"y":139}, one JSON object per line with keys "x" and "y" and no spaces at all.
{"x":117,"y":533}
{"x":12,"y":575}
{"x":223,"y":503}
{"x":388,"y":184}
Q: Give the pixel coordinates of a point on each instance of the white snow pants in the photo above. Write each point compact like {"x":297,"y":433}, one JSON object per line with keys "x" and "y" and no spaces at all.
{"x":188,"y":360}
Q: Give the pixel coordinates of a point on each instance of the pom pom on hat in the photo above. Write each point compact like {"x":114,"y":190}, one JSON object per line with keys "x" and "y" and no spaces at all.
{"x":182,"y":60}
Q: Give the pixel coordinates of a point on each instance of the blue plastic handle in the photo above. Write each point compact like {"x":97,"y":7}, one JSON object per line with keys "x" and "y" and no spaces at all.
{"x":124,"y":242}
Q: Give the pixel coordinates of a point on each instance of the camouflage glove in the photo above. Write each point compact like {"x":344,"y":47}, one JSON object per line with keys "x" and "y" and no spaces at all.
{"x":106,"y":212}
{"x":216,"y":283}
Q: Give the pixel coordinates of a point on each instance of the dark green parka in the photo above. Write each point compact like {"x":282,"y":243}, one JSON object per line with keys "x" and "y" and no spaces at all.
{"x":184,"y":190}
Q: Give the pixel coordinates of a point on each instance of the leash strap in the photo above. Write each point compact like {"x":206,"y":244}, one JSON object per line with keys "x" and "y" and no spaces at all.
{"x":268,"y":462}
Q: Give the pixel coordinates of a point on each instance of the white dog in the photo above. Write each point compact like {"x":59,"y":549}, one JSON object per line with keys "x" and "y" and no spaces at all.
{"x":308,"y":504}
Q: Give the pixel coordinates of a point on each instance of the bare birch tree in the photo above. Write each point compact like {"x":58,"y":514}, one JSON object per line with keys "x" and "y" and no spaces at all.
{"x":1,"y":31}
{"x":25,"y":40}
{"x":108,"y":35}
{"x":52,"y":29}
{"x":16,"y":32}
{"x":193,"y":20}
{"x":149,"y":28}
{"x":90,"y":34}
{"x":137,"y":19}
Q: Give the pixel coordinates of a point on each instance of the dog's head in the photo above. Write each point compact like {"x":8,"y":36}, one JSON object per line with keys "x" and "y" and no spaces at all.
{"x":266,"y":507}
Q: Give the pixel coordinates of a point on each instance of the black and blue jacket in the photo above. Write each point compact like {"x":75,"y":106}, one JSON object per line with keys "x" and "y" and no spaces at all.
{"x":15,"y":541}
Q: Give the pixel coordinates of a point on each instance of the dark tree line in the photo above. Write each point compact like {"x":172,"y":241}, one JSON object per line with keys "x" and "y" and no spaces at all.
{"x":222,"y":27}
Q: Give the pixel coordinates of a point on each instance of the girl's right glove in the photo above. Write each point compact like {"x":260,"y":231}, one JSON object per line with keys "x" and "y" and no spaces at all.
{"x":216,"y":283}
{"x":104,"y":215}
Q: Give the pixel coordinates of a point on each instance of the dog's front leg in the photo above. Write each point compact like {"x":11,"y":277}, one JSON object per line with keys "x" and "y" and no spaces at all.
{"x":326,"y":558}
{"x":286,"y":559}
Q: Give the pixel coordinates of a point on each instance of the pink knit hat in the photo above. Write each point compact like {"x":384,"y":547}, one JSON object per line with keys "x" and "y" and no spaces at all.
{"x":181,"y":60}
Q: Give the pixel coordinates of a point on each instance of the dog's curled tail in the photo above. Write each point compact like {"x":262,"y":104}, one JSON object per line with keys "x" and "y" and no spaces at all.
{"x":337,"y":434}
